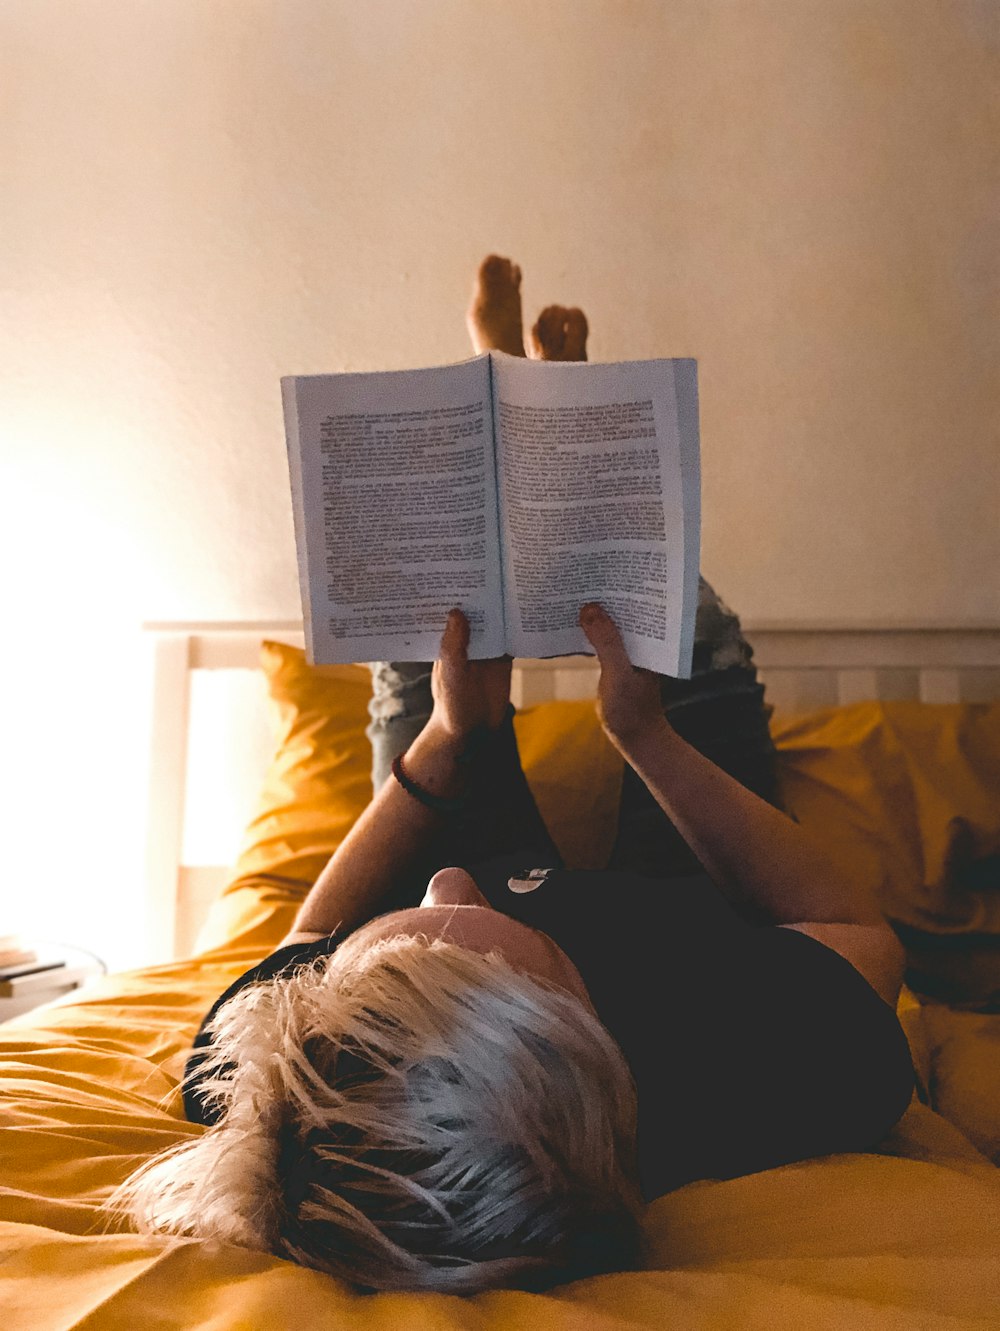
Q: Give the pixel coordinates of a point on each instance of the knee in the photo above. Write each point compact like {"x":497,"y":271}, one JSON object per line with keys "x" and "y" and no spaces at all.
{"x":399,"y":689}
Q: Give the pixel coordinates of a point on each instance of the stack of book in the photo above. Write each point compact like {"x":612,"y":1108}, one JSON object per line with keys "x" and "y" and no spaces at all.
{"x":13,"y":952}
{"x":24,"y":971}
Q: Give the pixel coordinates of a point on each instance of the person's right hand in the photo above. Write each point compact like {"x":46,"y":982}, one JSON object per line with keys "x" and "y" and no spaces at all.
{"x":628,"y":698}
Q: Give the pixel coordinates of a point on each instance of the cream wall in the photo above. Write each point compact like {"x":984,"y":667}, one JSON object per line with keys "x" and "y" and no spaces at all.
{"x":202,"y":196}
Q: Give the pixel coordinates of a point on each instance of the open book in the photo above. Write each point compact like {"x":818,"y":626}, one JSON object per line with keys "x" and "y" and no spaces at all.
{"x":515,"y":489}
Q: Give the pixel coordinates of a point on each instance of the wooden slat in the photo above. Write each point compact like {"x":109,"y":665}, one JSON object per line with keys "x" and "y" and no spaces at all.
{"x":896,"y":684}
{"x":530,"y":687}
{"x":801,"y":690}
{"x":571,"y":685}
{"x":852,"y":685}
{"x":197,"y":887}
{"x":556,"y":663}
{"x":235,"y":651}
{"x":852,"y":650}
{"x":939,"y":686}
{"x":167,"y":780}
{"x":980,"y":684}
{"x":219,"y":646}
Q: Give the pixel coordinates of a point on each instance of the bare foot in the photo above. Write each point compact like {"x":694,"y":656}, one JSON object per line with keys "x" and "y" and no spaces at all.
{"x":559,"y":334}
{"x":494,"y":317}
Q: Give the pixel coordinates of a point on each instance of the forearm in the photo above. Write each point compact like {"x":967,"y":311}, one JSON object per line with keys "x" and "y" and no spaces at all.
{"x":756,"y":855}
{"x":391,"y":833}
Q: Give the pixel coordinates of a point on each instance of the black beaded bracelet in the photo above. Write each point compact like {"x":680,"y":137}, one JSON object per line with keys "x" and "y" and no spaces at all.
{"x":437,"y":802}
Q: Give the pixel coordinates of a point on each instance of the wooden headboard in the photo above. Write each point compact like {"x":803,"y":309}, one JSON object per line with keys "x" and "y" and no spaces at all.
{"x":211,"y":740}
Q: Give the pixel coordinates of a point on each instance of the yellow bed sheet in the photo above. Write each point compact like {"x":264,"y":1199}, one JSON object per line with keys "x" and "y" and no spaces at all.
{"x":905,"y":1236}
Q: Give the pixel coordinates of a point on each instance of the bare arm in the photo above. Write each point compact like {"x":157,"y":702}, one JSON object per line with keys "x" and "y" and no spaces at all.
{"x":754,"y":854}
{"x":383,"y":842}
{"x":468,"y":695}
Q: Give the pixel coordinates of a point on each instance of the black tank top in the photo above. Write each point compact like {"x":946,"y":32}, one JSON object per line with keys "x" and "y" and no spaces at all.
{"x":751,"y":1046}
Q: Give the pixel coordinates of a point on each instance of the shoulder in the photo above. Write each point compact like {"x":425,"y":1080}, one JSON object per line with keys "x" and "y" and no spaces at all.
{"x":872,"y":949}
{"x":295,"y":950}
{"x":300,"y":938}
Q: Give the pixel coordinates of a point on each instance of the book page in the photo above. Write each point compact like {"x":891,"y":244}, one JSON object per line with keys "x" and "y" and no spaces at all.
{"x":394,"y":493}
{"x":599,"y":501}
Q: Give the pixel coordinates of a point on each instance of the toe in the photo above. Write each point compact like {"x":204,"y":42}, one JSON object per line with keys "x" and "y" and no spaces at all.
{"x":547,"y":333}
{"x":575,"y":334}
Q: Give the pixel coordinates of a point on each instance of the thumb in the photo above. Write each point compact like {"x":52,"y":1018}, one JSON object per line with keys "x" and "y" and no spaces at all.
{"x":455,"y":640}
{"x":602,"y":634}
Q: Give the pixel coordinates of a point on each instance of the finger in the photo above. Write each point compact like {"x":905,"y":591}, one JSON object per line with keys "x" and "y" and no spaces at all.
{"x":455,"y":640}
{"x":602,"y":634}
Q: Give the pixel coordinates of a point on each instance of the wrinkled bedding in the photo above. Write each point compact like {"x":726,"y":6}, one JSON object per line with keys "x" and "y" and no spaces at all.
{"x":904,"y":1236}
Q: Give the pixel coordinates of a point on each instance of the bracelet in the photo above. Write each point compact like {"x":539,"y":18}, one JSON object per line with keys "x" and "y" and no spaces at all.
{"x":424,"y":796}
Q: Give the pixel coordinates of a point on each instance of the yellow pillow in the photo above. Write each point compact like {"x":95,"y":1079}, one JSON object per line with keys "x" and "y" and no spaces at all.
{"x":319,"y":782}
{"x":909,"y":791}
{"x":906,"y":796}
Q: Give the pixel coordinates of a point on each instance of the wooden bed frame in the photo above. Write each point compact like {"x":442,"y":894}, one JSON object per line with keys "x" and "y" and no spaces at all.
{"x":210,"y":739}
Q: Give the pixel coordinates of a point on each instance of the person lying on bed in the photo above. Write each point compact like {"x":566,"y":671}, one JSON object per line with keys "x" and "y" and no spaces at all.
{"x":470,"y":1067}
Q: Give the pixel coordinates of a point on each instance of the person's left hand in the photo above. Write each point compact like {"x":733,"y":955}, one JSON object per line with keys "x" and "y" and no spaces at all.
{"x":467,"y":694}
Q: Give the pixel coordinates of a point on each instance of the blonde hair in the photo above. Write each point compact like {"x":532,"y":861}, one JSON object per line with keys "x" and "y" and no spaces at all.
{"x":415,"y":1115}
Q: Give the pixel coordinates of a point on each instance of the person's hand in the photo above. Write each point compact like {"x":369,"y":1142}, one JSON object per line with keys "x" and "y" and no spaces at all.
{"x":467,"y":694}
{"x":628,"y":698}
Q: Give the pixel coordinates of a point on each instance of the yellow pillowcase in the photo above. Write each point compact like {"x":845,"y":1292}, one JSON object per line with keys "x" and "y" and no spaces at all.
{"x":906,"y":793}
{"x":319,"y":782}
{"x":906,"y":797}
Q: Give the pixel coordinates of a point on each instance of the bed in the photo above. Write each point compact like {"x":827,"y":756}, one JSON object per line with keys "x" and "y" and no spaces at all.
{"x":889,"y":744}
